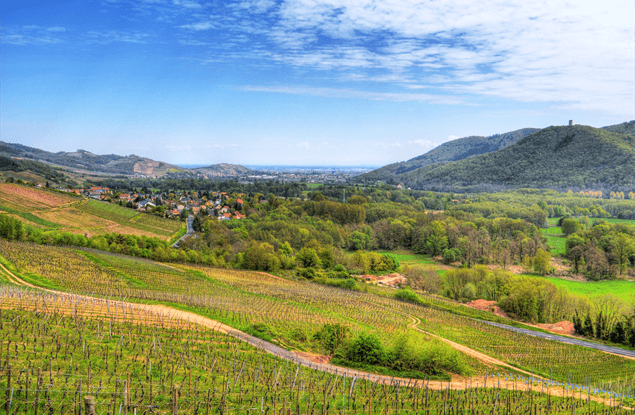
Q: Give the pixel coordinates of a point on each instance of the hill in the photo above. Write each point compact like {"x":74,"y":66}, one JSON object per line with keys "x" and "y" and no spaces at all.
{"x":627,"y":128}
{"x":222,"y":169}
{"x":85,"y":160}
{"x":454,"y":150}
{"x":82,"y":160}
{"x":556,"y":156}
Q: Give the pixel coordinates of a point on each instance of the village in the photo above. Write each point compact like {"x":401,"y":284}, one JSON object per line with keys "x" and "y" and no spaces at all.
{"x":222,"y":205}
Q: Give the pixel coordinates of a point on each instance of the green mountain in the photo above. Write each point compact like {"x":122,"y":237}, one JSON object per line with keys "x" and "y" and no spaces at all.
{"x":553,"y":157}
{"x":627,"y":128}
{"x":454,"y":150}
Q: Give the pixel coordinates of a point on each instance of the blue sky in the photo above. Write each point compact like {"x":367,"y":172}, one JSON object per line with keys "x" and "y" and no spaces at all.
{"x":298,"y":82}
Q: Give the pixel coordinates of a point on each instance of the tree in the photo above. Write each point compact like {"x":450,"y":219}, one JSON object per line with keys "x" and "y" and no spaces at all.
{"x":624,"y":246}
{"x":358,"y":240}
{"x":570,"y":226}
{"x":542,"y":262}
{"x":357,"y":200}
{"x":309,"y":258}
{"x":326,"y":258}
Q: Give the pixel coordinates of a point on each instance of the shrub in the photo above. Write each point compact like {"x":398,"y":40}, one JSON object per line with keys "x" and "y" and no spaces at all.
{"x":332,"y":337}
{"x":308,"y":273}
{"x":366,"y":348}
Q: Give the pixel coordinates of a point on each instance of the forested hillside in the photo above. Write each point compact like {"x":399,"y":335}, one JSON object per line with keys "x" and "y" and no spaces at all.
{"x":454,"y":150}
{"x":627,"y":128}
{"x":580,"y":156}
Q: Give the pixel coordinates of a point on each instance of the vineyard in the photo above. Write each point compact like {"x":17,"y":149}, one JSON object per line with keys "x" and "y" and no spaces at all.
{"x":294,"y":310}
{"x":57,"y":349}
{"x":45,"y":209}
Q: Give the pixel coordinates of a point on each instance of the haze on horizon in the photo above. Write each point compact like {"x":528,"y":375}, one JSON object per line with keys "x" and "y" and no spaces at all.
{"x":306,"y":82}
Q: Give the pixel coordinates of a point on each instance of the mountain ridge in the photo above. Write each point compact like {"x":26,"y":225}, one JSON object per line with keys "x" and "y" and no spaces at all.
{"x":112,"y":163}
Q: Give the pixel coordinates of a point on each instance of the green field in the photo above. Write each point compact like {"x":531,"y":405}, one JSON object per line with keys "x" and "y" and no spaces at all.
{"x":612,"y":220}
{"x":621,"y":289}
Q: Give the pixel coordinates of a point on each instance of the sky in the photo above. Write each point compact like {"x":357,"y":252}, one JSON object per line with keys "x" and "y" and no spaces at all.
{"x":306,"y":82}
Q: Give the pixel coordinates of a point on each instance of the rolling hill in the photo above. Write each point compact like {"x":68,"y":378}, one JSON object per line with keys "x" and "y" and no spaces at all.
{"x":553,"y":157}
{"x":22,"y":157}
{"x":454,"y":150}
{"x":627,"y":128}
{"x":222,"y":169}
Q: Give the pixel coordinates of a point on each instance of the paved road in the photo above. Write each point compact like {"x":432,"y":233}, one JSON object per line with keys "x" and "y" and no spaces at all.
{"x":567,"y":340}
{"x":190,"y":230}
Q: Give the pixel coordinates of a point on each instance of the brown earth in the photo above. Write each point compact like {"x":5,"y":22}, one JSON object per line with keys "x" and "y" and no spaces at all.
{"x":562,"y":327}
{"x":485,"y":305}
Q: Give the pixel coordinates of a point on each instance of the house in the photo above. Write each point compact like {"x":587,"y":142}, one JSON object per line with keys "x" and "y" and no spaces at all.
{"x":238,"y":215}
{"x":196,"y":209}
{"x":239,"y":202}
{"x":124,"y":196}
{"x":145,"y":204}
{"x":225,"y":209}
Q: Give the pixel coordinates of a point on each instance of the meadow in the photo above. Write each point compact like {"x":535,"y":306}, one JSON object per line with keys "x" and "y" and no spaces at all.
{"x":624,"y":290}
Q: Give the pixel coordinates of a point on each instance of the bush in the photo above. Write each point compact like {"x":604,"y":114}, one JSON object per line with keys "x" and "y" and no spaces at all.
{"x":261,"y":331}
{"x":308,"y":273}
{"x":366,"y":348}
{"x":409,"y":296}
{"x":332,"y":337}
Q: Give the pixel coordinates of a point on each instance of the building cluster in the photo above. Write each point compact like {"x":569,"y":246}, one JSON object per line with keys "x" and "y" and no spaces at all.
{"x":219,"y":204}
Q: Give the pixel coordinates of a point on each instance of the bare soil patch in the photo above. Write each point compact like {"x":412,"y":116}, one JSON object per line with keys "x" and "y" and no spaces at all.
{"x":485,"y":305}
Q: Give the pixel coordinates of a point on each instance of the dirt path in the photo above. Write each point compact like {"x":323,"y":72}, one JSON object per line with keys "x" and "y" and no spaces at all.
{"x":457,"y":382}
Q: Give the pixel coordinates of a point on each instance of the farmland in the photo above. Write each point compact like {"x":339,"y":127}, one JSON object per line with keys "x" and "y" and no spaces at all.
{"x":132,"y":361}
{"x":294,"y":310}
{"x":45,"y":209}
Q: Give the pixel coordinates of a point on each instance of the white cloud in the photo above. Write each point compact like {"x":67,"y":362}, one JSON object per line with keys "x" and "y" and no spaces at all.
{"x":350,"y":93}
{"x":579,"y":54}
{"x":199,"y":26}
{"x":303,"y":144}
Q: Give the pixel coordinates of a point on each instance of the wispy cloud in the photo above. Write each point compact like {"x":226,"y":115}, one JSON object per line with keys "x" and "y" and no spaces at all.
{"x":350,"y":93}
{"x":199,"y":26}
